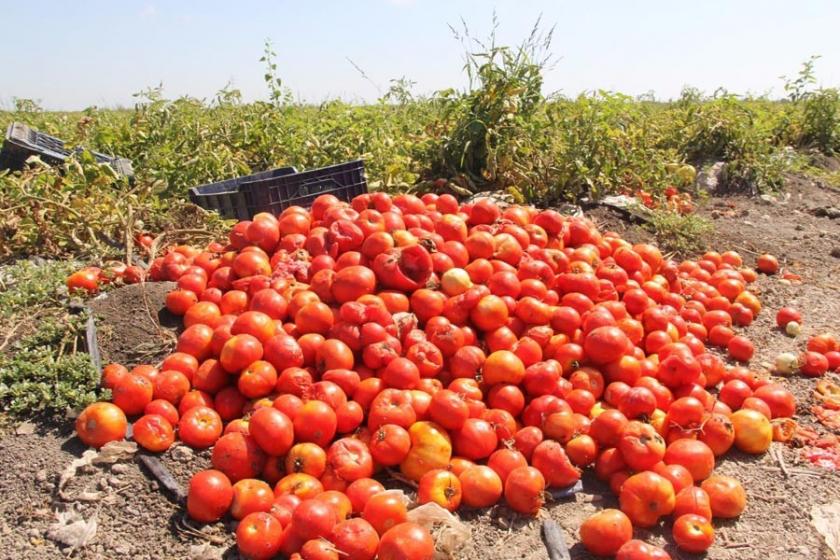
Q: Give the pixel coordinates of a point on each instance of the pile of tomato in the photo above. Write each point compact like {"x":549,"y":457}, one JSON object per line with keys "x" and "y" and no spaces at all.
{"x":485,"y":354}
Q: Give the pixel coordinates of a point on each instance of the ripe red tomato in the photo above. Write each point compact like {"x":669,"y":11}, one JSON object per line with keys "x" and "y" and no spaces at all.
{"x":406,"y":541}
{"x":200,"y":427}
{"x":639,"y":550}
{"x":692,"y":454}
{"x":768,"y":264}
{"x":238,"y":456}
{"x":350,"y":459}
{"x":813,"y":364}
{"x":171,"y":385}
{"x":313,"y":519}
{"x":302,"y":485}
{"x":645,"y":497}
{"x":605,"y":532}
{"x":524,"y":488}
{"x":481,"y":486}
{"x":101,"y":423}
{"x":476,"y":439}
{"x":259,"y":536}
{"x":113,"y":373}
{"x":132,"y":393}
{"x":679,"y":476}
{"x":551,"y":460}
{"x":272,"y":430}
{"x":355,"y":539}
{"x":154,"y":433}
{"x":239,"y":352}
{"x":315,"y":422}
{"x":86,"y":279}
{"x":693,"y":533}
{"x":250,"y":495}
{"x":361,"y":490}
{"x":726,"y":496}
{"x":209,"y":496}
{"x":641,"y":446}
{"x":740,"y":348}
{"x":390,"y":444}
{"x":442,"y":487}
{"x":384,"y":511}
{"x":163,"y":408}
{"x":693,"y":500}
{"x":449,"y":409}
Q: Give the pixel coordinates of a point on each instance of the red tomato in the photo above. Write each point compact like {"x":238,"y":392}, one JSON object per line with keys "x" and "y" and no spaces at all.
{"x":200,"y":427}
{"x":406,"y":541}
{"x":209,"y":496}
{"x":101,"y":423}
{"x":153,"y":433}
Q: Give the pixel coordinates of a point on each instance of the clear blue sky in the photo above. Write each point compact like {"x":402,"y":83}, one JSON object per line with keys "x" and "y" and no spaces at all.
{"x":71,"y":55}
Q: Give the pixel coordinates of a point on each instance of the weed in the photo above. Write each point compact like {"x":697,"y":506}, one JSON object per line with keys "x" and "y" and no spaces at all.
{"x":501,"y":133}
{"x":43,"y":366}
{"x":26,"y":284}
{"x":682,"y":234}
{"x":45,"y":371}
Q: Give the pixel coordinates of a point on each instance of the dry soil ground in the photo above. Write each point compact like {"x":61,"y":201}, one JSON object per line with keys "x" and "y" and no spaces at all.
{"x":137,"y":520}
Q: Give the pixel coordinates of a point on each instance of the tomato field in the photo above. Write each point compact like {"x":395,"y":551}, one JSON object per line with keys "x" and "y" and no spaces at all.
{"x":447,"y":365}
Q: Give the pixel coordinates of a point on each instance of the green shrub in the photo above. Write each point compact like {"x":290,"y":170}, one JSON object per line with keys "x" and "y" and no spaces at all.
{"x":821,"y":120}
{"x":682,"y":234}
{"x":46,"y":371}
{"x":43,"y":365}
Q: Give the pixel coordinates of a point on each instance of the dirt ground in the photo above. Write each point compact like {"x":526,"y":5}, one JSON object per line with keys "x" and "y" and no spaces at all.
{"x":137,"y":520}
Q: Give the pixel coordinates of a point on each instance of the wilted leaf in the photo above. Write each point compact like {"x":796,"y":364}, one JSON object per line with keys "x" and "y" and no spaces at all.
{"x":109,"y":453}
{"x":71,"y":529}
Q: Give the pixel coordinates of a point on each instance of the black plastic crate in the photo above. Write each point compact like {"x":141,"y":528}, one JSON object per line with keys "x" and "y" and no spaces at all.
{"x":22,"y":142}
{"x":274,"y":191}
{"x":226,"y":198}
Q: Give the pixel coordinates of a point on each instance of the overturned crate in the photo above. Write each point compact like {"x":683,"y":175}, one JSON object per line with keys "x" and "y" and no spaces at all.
{"x":23,"y":142}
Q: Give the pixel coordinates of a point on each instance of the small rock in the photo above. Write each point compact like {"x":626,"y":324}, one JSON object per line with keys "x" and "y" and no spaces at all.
{"x":25,"y":429}
{"x":182,"y":453}
{"x":33,"y":533}
{"x":102,"y":484}
{"x":826,"y":212}
{"x":132,"y":511}
{"x":115,"y":481}
{"x":41,"y":475}
{"x":122,"y":550}
{"x":768,"y":199}
{"x":711,"y":177}
{"x":119,"y":468}
{"x":799,"y":227}
{"x":835,"y":252}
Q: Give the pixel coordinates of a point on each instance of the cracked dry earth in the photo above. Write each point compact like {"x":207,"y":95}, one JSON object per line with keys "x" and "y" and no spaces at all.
{"x":135,"y":519}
